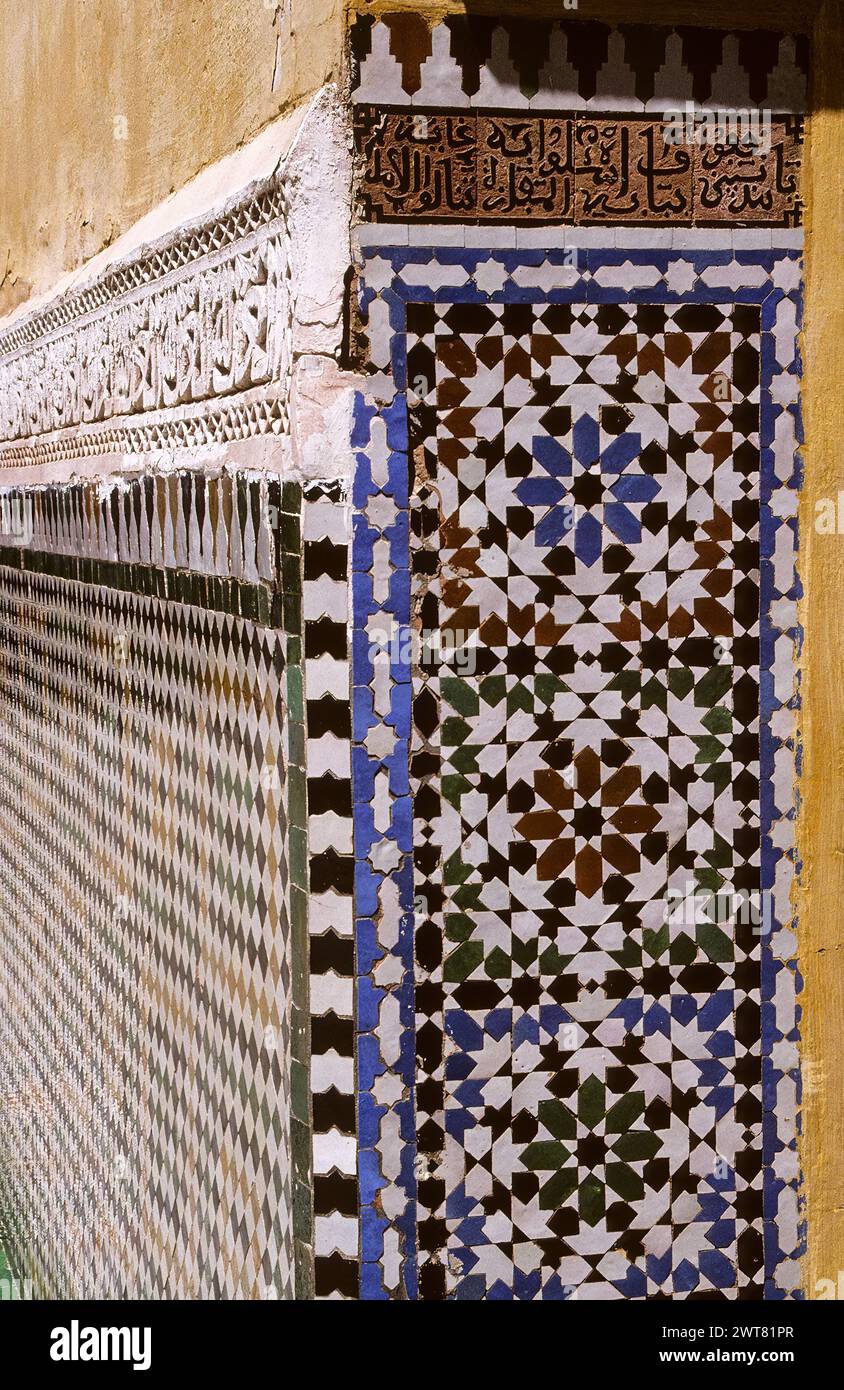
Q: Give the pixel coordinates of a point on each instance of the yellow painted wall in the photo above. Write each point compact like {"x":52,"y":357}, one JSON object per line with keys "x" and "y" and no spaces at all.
{"x":821,"y":828}
{"x":192,"y":80}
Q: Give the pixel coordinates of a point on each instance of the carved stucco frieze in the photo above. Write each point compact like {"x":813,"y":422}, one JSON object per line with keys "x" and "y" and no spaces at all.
{"x":208,"y":330}
{"x":191,"y":340}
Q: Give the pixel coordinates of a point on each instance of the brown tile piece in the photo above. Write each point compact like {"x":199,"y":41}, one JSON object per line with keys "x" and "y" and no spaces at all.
{"x":525,"y":168}
{"x":416,"y":164}
{"x":625,"y":172}
{"x":736,"y":184}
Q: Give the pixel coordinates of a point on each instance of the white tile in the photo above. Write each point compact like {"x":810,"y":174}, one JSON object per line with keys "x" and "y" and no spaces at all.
{"x":441,"y":77}
{"x":439,"y":236}
{"x":591,"y":238}
{"x":330,"y":911}
{"x":543,"y":238}
{"x":326,"y":598}
{"x":558,"y":83}
{"x":328,"y":755}
{"x":752,"y":238}
{"x":324,"y":520}
{"x":434,"y":273}
{"x":644,"y":238}
{"x":673,"y":81}
{"x":787,"y":238}
{"x":325,"y":675}
{"x":736,"y":275}
{"x":335,"y":1150}
{"x":499,"y":81}
{"x":382,"y":234}
{"x":497,"y":238}
{"x":701,"y":239}
{"x":330,"y":1069}
{"x":336,"y":1233}
{"x":380,"y":81}
{"x":615,"y":83}
{"x":330,"y":831}
{"x":332,"y":994}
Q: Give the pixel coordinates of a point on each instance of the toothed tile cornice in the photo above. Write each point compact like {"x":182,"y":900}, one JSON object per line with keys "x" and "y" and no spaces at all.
{"x":572,"y":65}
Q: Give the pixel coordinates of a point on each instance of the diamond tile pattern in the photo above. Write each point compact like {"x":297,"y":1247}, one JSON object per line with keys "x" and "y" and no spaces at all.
{"x":145,"y":957}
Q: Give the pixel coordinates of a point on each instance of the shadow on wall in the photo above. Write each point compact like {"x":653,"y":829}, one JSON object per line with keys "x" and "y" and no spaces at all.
{"x":631,"y":63}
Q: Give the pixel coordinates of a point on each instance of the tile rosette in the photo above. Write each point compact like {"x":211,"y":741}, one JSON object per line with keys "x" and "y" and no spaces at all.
{"x":449,"y":1192}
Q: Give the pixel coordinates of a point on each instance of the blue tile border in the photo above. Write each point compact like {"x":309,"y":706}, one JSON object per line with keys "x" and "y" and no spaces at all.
{"x":383,"y":873}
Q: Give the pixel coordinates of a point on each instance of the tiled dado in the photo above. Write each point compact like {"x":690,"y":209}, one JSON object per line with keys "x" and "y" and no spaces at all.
{"x":175,"y":676}
{"x":581,"y":170}
{"x":221,"y":543}
{"x":153,"y":1144}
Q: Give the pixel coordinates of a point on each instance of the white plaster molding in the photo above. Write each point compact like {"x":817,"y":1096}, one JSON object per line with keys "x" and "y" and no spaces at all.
{"x":184,"y":336}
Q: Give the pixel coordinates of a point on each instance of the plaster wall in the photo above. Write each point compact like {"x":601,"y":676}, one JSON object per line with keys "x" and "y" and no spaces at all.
{"x":112,"y":106}
{"x":820,"y":831}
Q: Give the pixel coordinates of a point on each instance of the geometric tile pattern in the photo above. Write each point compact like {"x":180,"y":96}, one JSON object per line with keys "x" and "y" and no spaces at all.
{"x":603,"y":567}
{"x":604,"y":469}
{"x":506,"y":168}
{"x":525,"y":64}
{"x":384,"y":905}
{"x":154,"y":888}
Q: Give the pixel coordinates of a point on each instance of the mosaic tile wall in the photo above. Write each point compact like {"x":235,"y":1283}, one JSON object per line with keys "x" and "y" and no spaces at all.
{"x":177,"y":1070}
{"x":574,"y":664}
{"x":153,"y":1033}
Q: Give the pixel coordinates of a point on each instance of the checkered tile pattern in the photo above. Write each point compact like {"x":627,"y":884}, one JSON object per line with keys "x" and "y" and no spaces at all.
{"x":332,"y":967}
